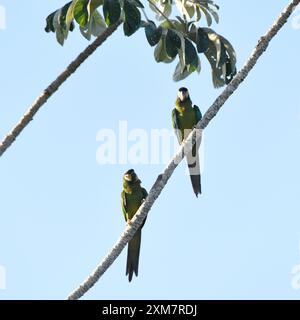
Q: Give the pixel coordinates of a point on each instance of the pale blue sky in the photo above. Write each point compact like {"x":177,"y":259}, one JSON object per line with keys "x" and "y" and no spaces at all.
{"x":60,"y":210}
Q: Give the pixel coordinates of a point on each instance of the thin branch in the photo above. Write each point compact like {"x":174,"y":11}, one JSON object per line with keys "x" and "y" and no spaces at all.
{"x":186,"y":147}
{"x":145,"y":14}
{"x":161,"y":13}
{"x":54,"y":86}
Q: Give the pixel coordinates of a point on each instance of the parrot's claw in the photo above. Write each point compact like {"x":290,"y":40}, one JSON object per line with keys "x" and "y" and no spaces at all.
{"x":129,"y":223}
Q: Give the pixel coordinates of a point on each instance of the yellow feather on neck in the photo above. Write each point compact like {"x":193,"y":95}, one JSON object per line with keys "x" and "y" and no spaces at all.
{"x":181,"y":106}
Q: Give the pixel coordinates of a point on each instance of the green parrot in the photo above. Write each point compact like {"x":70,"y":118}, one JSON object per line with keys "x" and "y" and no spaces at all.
{"x":132,"y":197}
{"x":184,"y":118}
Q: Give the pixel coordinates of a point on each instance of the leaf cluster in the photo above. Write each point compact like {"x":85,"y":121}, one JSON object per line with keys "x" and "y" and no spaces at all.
{"x":179,"y":37}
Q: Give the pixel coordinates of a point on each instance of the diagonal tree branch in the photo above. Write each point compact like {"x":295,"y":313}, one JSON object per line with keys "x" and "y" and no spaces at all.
{"x":54,"y":86}
{"x":186,"y":147}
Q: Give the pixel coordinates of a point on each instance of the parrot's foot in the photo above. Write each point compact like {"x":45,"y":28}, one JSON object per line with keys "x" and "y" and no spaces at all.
{"x":129,"y":223}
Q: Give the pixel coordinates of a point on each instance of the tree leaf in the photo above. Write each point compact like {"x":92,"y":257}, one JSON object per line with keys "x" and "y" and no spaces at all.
{"x":214,"y":14}
{"x":93,"y":5}
{"x":160,"y":53}
{"x":63,"y":16}
{"x":49,"y":22}
{"x":223,"y":56}
{"x":202,"y":40}
{"x":217,"y":71}
{"x":165,"y":7}
{"x":198,"y":13}
{"x":81,"y":14}
{"x":173,"y":43}
{"x":111,"y":11}
{"x":86,"y":31}
{"x":230,"y":72}
{"x":138,"y":4}
{"x":153,"y":34}
{"x":215,"y":40}
{"x":207,"y":15}
{"x":70,"y":14}
{"x":194,"y":65}
{"x":60,"y":32}
{"x":190,"y":53}
{"x":95,"y":26}
{"x":180,"y":19}
{"x":132,"y":18}
{"x":190,"y":9}
{"x":192,"y":34}
{"x":231,"y":60}
{"x":56,"y":22}
{"x":167,"y":24}
{"x":98,"y":24}
{"x":230,"y":50}
{"x":180,"y":74}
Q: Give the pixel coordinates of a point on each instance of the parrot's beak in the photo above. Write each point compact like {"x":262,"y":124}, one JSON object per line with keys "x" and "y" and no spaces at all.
{"x":128,"y":177}
{"x":182,"y":95}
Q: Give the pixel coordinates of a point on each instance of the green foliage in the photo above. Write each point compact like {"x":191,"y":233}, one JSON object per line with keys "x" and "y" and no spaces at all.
{"x":173,"y":43}
{"x":81,"y":14}
{"x":95,"y":26}
{"x":153,"y":34}
{"x":57,"y":22}
{"x":191,"y":9}
{"x":202,"y":40}
{"x":173,"y":37}
{"x":111,"y":11}
{"x":132,"y":19}
{"x":160,"y":52}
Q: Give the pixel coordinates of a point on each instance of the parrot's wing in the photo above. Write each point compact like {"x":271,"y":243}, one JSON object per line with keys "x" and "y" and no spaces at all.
{"x":198,"y":117}
{"x":175,"y":124}
{"x":124,"y":204}
{"x":145,"y":194}
{"x":197,"y":113}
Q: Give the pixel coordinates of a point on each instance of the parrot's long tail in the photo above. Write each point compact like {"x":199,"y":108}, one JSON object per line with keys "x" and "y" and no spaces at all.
{"x":133,"y":254}
{"x":194,"y":170}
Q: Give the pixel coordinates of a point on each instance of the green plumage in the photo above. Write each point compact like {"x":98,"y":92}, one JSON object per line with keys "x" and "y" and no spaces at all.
{"x":132,"y":197}
{"x":184,"y":117}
